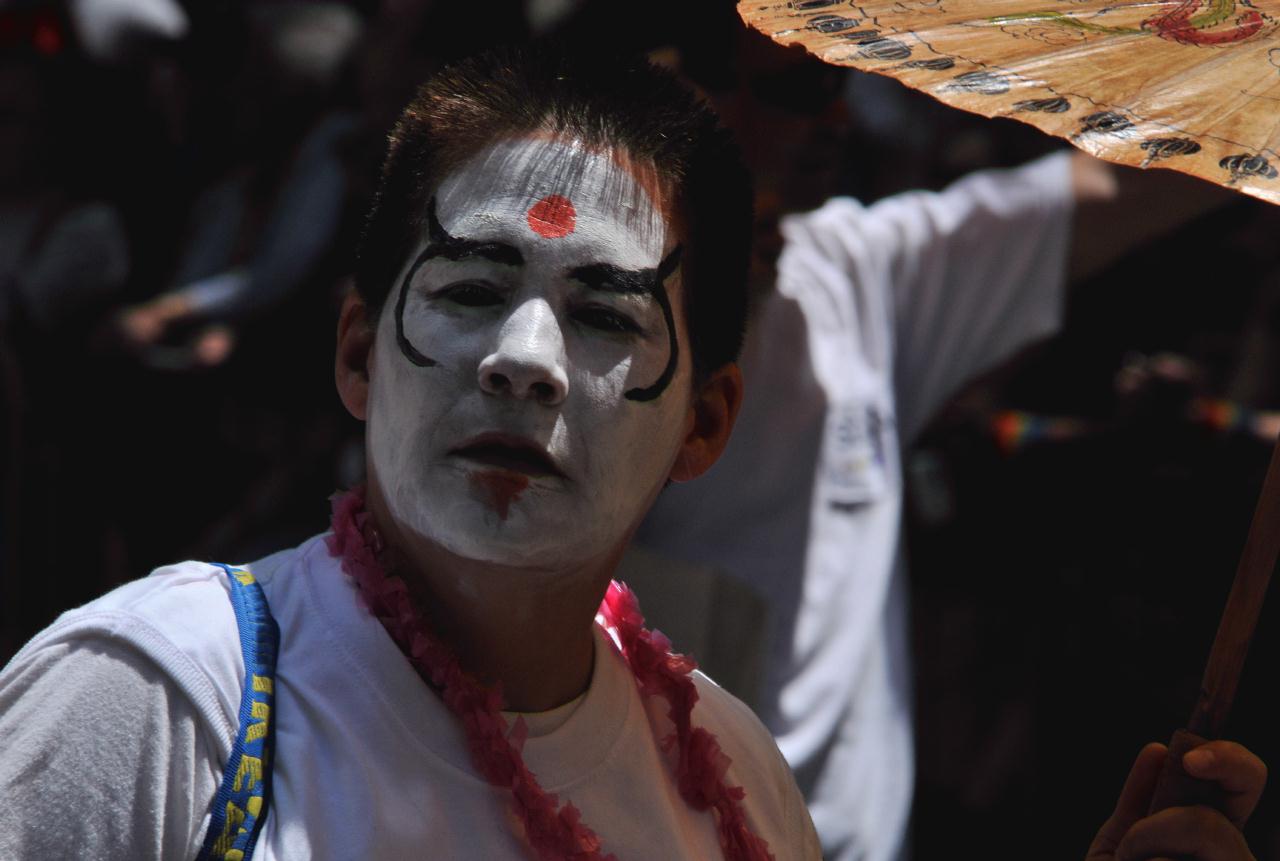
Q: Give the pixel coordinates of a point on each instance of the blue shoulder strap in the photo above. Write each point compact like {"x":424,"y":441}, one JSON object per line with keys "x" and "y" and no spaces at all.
{"x":240,"y":807}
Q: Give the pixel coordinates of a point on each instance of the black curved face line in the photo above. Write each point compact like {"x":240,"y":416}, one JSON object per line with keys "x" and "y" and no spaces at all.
{"x":441,"y":244}
{"x":411,"y":352}
{"x":656,"y":287}
{"x":650,"y":281}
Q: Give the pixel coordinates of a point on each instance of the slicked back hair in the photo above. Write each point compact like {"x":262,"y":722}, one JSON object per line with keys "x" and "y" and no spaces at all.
{"x":627,"y":104}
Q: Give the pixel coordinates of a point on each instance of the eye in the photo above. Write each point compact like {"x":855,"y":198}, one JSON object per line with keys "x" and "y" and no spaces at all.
{"x":469,"y":295}
{"x":606,"y":320}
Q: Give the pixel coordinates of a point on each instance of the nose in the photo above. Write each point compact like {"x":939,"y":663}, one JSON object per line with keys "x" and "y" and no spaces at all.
{"x":528,"y":361}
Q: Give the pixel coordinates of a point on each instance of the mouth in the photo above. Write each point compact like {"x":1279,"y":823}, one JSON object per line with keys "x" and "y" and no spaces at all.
{"x":509,"y":452}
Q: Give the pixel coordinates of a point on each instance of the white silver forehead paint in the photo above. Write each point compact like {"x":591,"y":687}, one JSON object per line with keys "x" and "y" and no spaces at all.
{"x":539,"y":175}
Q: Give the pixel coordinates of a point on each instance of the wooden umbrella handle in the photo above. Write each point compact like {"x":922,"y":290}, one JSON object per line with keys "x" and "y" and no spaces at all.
{"x":1230,"y":647}
{"x":1176,"y":788}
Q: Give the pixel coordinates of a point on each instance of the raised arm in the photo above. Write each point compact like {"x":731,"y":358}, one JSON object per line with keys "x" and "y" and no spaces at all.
{"x":1120,"y":208}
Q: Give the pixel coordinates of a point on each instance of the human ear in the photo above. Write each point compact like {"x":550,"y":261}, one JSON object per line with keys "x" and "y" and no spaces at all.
{"x":710,"y":420}
{"x":355,"y":351}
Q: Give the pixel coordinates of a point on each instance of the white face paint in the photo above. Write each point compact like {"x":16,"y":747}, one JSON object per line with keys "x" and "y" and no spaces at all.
{"x":500,"y":425}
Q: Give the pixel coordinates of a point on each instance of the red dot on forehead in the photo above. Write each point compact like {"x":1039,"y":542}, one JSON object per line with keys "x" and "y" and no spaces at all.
{"x":552,"y":217}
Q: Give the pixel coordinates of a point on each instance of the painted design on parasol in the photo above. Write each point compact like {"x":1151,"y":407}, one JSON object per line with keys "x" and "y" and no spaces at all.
{"x":1105,"y":123}
{"x":1201,"y":23}
{"x":936,"y":64}
{"x":1181,"y":25}
{"x":832,"y":23}
{"x":1158,"y":148}
{"x":1056,"y":105}
{"x":861,"y":36}
{"x":1190,"y":85}
{"x":885,"y":49}
{"x":872,"y":45}
{"x":1245,"y":165}
{"x":982,"y":83}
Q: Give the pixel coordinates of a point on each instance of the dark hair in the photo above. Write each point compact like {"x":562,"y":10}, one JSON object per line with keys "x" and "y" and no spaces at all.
{"x":628,"y":104}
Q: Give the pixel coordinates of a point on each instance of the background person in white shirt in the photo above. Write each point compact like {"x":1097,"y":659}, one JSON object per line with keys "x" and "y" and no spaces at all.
{"x":867,"y":320}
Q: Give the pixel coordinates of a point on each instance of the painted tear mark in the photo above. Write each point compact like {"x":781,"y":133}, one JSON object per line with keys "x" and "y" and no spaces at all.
{"x":553,"y":217}
{"x":503,"y":488}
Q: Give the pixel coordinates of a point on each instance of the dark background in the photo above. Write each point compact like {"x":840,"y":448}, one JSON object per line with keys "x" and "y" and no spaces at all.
{"x":1067,"y":580}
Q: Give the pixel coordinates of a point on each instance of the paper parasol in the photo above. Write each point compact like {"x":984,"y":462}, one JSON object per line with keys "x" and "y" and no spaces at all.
{"x":1192,"y":85}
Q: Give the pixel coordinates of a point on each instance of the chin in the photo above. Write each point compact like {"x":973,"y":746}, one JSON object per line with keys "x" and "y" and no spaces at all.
{"x":474,"y":531}
{"x":507,"y":525}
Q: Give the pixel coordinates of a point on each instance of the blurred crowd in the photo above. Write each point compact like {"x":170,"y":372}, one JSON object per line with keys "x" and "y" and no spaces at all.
{"x":182,"y":186}
{"x":181,"y":189}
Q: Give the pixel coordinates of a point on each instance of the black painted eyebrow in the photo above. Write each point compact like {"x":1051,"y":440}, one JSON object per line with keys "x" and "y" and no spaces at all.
{"x":608,"y":278}
{"x":442,"y":244}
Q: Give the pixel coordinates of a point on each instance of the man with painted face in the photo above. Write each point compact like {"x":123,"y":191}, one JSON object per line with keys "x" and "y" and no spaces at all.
{"x":550,"y":302}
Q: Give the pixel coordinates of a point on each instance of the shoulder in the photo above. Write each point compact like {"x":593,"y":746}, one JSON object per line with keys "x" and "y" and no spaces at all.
{"x":180,"y":618}
{"x":115,"y":720}
{"x":773,"y":801}
{"x":736,"y":725}
{"x":95,"y":740}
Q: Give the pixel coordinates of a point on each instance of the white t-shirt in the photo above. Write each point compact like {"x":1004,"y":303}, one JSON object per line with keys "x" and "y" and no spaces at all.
{"x":881,"y":313}
{"x":115,"y":723}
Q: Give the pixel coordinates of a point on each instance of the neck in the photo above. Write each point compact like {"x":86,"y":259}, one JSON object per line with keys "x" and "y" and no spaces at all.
{"x":528,"y":630}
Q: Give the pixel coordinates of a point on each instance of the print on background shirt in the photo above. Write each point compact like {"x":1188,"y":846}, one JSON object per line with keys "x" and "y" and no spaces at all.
{"x":854,"y":469}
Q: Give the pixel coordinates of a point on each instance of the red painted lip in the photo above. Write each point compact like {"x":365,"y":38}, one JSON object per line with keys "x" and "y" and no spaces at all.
{"x":509,"y":452}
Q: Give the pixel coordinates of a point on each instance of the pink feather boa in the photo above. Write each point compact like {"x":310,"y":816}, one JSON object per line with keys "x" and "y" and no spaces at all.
{"x":555,"y":832}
